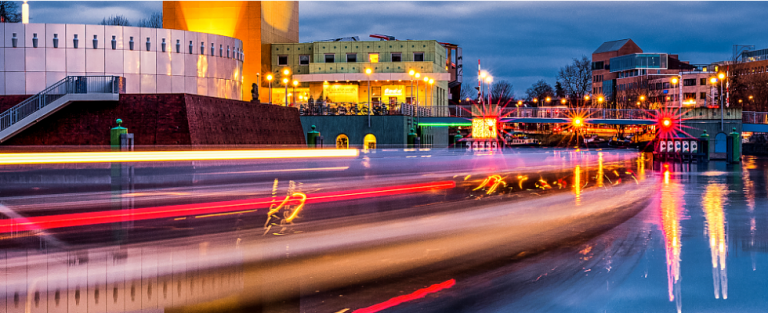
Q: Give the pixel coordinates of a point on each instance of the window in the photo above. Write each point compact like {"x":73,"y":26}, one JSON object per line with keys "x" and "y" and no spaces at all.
{"x":689,"y":82}
{"x":690,"y":96}
{"x":351,"y":57}
{"x":369,"y":142}
{"x":282,"y":60}
{"x":342,"y":142}
{"x":703,"y":81}
{"x":702,"y":95}
{"x":304,"y":59}
{"x":418,"y":56}
{"x":397,"y":57}
{"x":598,"y":65}
{"x":373,"y":57}
{"x":666,"y":85}
{"x":329,"y":58}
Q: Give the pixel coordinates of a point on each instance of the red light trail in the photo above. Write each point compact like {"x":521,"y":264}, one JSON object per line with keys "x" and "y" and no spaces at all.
{"x":418,"y":294}
{"x":172,"y":211}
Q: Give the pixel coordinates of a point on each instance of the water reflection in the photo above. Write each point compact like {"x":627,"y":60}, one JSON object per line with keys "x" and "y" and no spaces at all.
{"x":712,"y":203}
{"x":671,"y":213}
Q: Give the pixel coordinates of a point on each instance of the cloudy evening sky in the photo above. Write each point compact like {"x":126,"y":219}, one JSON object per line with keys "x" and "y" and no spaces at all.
{"x":521,"y":42}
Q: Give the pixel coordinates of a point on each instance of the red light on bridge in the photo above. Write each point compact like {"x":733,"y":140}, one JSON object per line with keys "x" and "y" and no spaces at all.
{"x":666,"y":122}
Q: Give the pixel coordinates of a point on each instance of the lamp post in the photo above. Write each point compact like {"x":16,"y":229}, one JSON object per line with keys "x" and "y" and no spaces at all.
{"x":489,"y":80}
{"x":286,"y":82}
{"x":426,"y":81}
{"x":481,"y":79}
{"x":295,"y":83}
{"x":432,"y":92}
{"x":417,"y":75}
{"x":368,"y":72}
{"x":286,"y":73}
{"x":411,"y":73}
{"x":677,"y":82}
{"x":269,"y":79}
{"x":586,"y":98}
{"x":721,"y":77}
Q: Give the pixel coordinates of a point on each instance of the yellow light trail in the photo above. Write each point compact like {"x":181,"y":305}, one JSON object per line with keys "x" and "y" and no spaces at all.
{"x":713,"y":201}
{"x":166,"y":156}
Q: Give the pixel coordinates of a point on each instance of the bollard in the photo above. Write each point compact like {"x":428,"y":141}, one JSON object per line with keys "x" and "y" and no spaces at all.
{"x":411,"y":139}
{"x":736,"y":146}
{"x":114,"y":135}
{"x":312,"y":137}
{"x":704,"y":146}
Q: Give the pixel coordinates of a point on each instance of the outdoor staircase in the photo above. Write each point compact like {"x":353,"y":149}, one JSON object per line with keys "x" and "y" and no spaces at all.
{"x":56,"y":97}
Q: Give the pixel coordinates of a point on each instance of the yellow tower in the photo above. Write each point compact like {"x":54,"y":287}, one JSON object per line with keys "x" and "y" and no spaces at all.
{"x":258,"y":24}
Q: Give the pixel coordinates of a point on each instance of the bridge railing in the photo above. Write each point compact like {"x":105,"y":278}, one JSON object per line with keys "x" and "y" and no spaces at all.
{"x":750,"y":117}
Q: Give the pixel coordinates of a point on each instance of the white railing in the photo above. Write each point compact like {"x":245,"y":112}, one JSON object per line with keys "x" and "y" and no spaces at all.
{"x":68,"y":85}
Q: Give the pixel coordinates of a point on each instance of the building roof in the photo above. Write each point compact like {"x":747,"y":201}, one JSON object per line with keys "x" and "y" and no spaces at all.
{"x":609,"y":46}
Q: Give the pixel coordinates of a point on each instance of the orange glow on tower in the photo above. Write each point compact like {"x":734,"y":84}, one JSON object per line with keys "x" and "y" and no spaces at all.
{"x":257,"y":23}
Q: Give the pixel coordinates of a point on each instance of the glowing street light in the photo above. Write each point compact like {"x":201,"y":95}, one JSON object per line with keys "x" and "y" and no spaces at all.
{"x":286,"y":80}
{"x":411,"y":73}
{"x":295,"y":83}
{"x":368,"y":72}
{"x":548,"y":99}
{"x":417,"y":75}
{"x":269,"y":79}
{"x":519,"y":102}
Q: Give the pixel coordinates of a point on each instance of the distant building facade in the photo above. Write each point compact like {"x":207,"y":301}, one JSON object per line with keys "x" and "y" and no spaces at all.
{"x":335,"y":72}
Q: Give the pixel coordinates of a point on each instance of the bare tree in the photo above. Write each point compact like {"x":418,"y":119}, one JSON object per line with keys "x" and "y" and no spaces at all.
{"x":9,"y":12}
{"x":749,"y":86}
{"x":502,"y":92}
{"x":576,"y":78}
{"x":115,"y":20}
{"x":539,"y":90}
{"x":467,"y":91}
{"x":153,"y":21}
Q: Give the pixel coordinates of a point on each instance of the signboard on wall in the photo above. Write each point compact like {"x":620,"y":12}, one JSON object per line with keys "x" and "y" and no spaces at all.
{"x":393,"y":91}
{"x":342,"y":93}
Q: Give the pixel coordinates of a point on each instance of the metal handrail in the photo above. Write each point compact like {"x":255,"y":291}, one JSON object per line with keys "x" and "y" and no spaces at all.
{"x":68,"y":85}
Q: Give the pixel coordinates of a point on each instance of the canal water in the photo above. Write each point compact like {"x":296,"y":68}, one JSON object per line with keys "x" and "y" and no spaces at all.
{"x":701,"y":246}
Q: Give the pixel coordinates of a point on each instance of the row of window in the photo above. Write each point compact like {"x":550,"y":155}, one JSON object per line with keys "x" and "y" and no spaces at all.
{"x":597,"y":78}
{"x":373,"y":57}
{"x":754,"y":70}
{"x":597,"y":90}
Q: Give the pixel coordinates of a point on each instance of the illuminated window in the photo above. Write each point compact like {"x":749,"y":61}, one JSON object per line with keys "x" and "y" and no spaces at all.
{"x":282,"y":60}
{"x":373,"y":57}
{"x":342,"y":142}
{"x":369,"y":142}
{"x":397,"y":57}
{"x":351,"y":57}
{"x":304,"y":59}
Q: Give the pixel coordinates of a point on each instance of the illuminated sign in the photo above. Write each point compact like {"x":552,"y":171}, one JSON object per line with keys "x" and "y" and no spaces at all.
{"x":373,"y":57}
{"x":484,"y":128}
{"x":393,"y":90}
{"x":342,"y":93}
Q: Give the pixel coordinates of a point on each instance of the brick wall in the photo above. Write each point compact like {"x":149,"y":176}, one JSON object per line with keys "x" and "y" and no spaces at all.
{"x":166,"y":119}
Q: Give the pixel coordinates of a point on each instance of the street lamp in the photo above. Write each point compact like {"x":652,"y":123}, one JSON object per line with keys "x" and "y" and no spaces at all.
{"x":586,"y":98}
{"x":721,"y":77}
{"x":548,"y":99}
{"x":519,"y":102}
{"x":295,"y":83}
{"x":411,"y":74}
{"x":285,"y":82}
{"x":489,"y":80}
{"x":417,"y":75}
{"x":431,"y":92}
{"x":368,"y":72}
{"x":269,"y":79}
{"x":600,"y":101}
